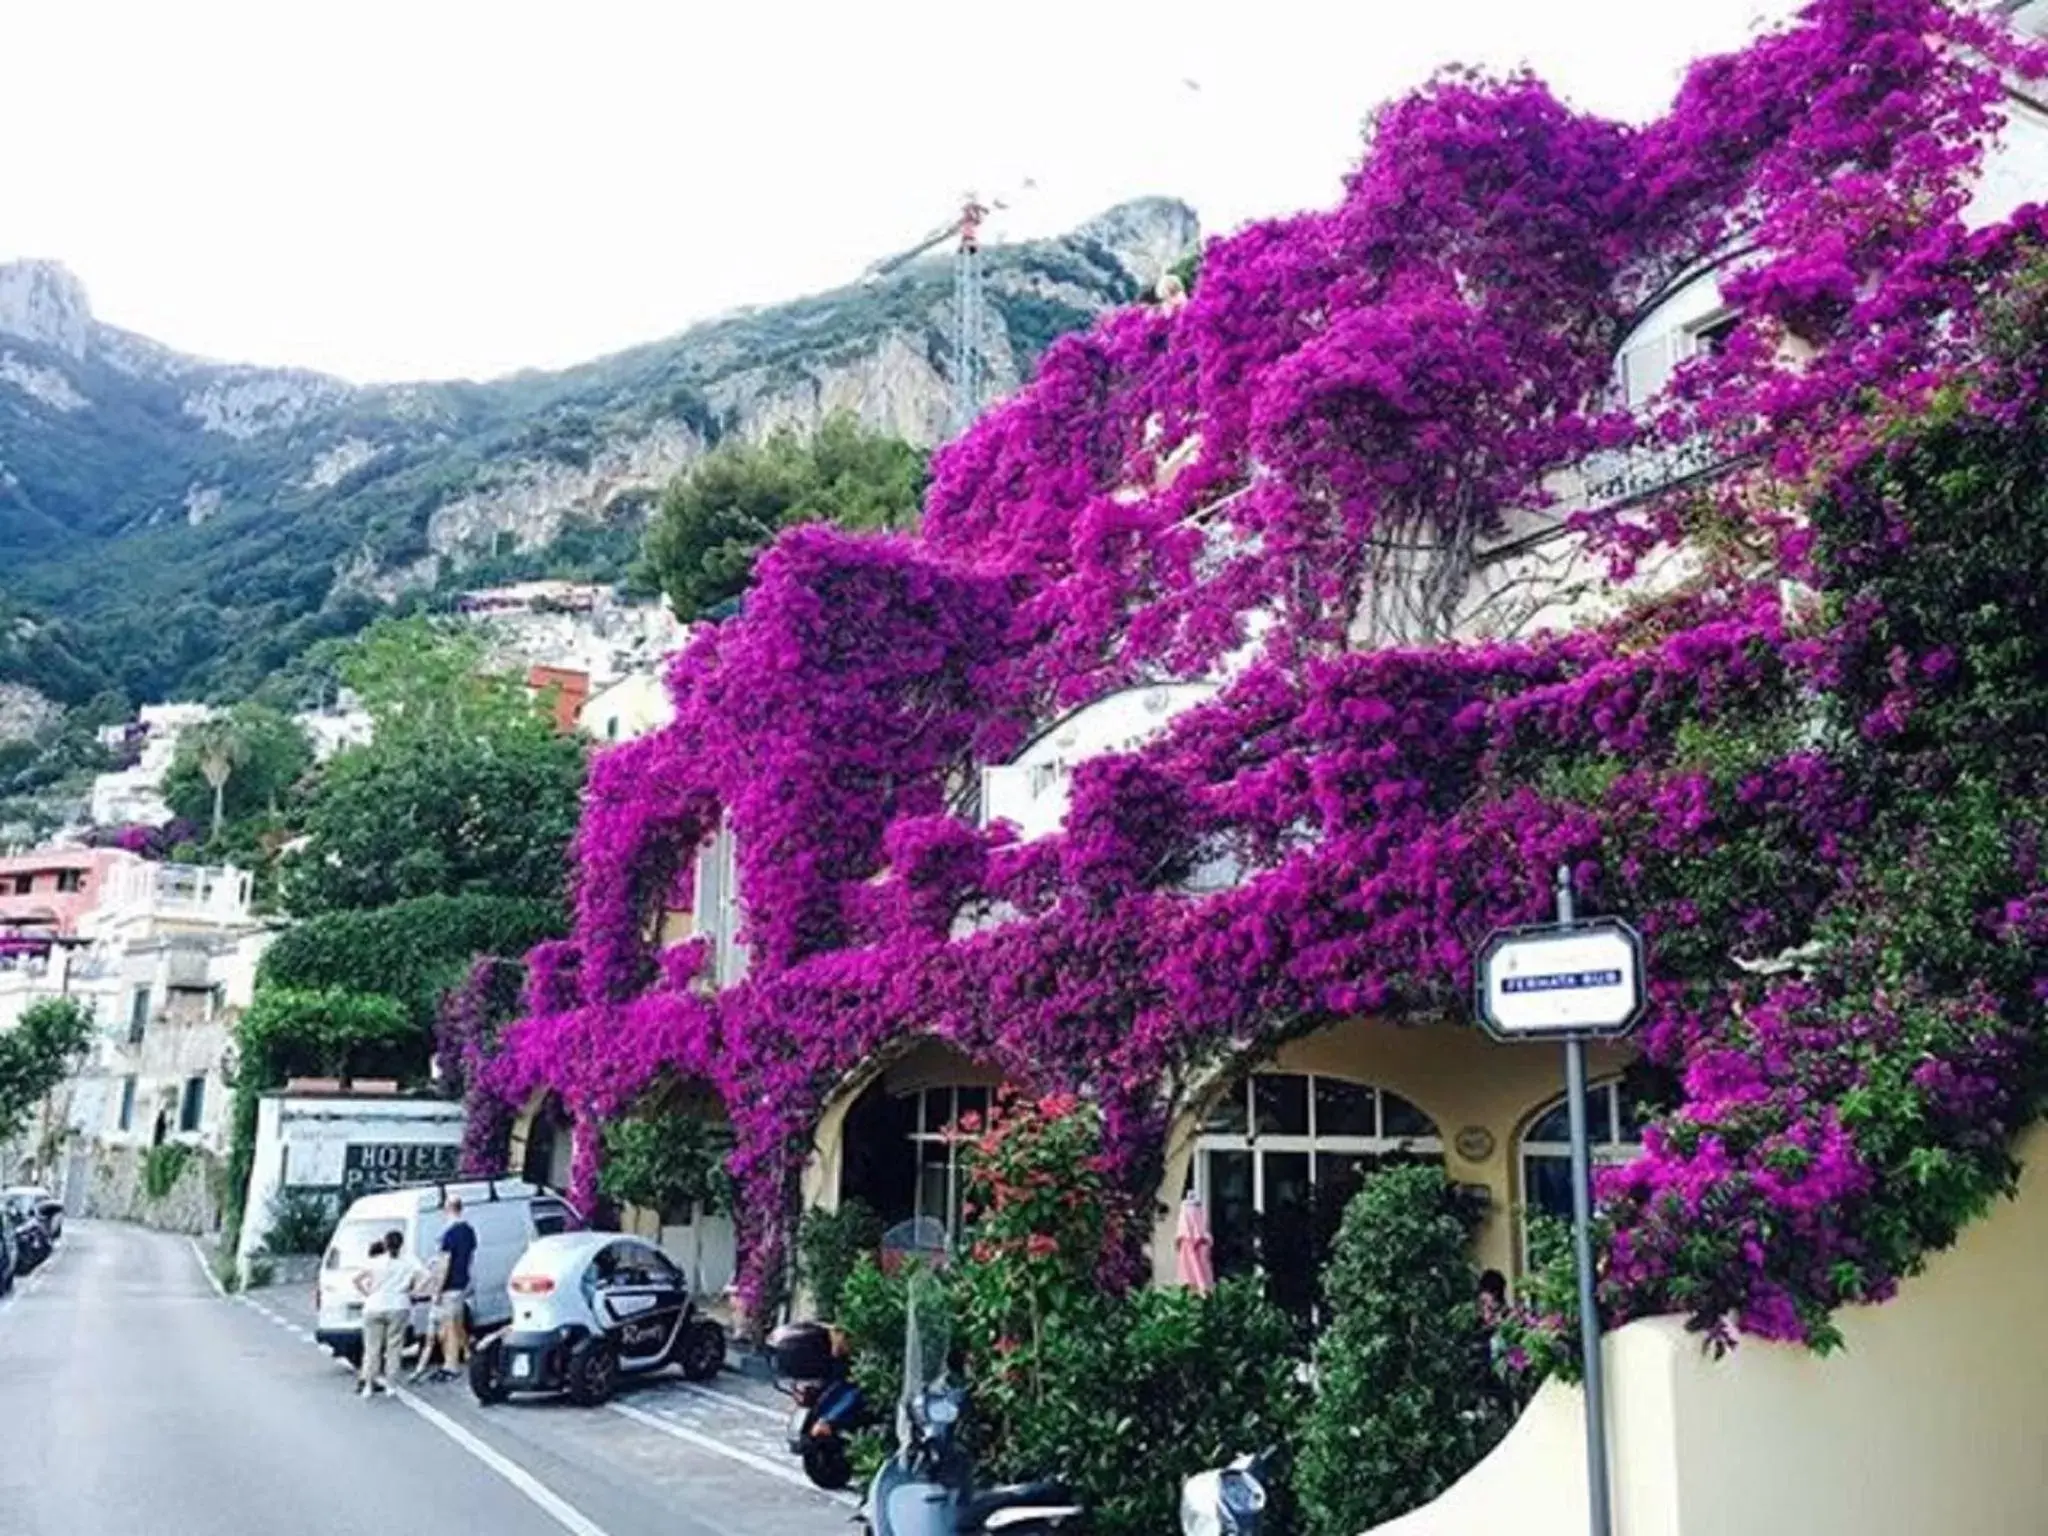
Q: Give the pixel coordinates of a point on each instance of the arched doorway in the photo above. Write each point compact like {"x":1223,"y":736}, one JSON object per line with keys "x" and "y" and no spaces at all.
{"x":549,"y":1143}
{"x":1277,"y":1158}
{"x":900,"y":1144}
{"x":1614,"y":1126}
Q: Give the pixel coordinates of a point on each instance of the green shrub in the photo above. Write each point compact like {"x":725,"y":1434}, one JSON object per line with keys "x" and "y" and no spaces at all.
{"x":161,"y":1168}
{"x":301,"y":1221}
{"x":1403,"y":1405}
{"x":412,"y":950}
{"x":829,"y":1244}
{"x":1121,"y":1395}
{"x":668,"y":1162}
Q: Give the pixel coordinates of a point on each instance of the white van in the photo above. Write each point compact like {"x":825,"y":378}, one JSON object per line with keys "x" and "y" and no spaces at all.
{"x":506,"y":1214}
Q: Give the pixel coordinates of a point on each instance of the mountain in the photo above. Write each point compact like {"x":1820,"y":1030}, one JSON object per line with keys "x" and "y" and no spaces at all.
{"x":171,"y":525}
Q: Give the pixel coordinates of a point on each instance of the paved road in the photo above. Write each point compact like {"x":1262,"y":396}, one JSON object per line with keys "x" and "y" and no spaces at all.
{"x":133,"y":1398}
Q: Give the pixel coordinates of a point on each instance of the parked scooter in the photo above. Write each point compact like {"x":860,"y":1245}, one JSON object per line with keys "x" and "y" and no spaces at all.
{"x":926,"y":1487}
{"x":1230,"y":1501}
{"x":812,"y":1368}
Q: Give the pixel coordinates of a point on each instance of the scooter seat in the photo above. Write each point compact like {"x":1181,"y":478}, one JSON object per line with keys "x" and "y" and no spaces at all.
{"x":1021,"y":1502}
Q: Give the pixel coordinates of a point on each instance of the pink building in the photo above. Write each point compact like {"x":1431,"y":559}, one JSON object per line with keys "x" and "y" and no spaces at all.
{"x":56,"y":886}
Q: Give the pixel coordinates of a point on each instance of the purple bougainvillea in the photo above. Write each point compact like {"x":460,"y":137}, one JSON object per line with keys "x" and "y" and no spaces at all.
{"x":1413,"y":368}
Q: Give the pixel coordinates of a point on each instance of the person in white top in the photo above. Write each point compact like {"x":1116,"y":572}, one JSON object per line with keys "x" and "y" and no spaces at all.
{"x":388,"y":1283}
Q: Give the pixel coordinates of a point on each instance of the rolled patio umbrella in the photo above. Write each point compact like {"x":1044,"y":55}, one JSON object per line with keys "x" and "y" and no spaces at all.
{"x":1192,"y":1245}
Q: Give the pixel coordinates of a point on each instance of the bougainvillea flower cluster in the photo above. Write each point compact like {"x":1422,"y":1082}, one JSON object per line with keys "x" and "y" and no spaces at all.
{"x":1294,"y":478}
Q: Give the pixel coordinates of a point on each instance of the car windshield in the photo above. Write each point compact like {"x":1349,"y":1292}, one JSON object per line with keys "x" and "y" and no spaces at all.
{"x":352,"y":1241}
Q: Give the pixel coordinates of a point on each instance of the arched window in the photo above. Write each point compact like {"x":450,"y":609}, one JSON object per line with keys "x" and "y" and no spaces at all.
{"x":936,"y":1135}
{"x":1614,"y":1126}
{"x":904,"y":1155}
{"x":1279,"y":1156}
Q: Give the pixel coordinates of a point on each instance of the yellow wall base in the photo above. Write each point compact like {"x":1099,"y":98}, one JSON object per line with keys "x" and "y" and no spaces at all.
{"x":1930,"y":1422}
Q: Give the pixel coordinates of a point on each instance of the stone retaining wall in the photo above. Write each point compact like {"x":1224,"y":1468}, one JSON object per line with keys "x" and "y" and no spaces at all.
{"x":116,"y":1191}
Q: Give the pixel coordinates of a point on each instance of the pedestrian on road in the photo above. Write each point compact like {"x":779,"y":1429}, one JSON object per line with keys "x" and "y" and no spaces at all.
{"x":451,"y":1306}
{"x":388,"y":1283}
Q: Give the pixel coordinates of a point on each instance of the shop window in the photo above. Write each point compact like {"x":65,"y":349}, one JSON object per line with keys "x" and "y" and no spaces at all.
{"x":1278,"y":1158}
{"x":1614,"y":1126}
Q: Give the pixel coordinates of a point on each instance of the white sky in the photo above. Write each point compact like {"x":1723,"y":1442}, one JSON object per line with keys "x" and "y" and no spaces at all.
{"x":444,"y":187}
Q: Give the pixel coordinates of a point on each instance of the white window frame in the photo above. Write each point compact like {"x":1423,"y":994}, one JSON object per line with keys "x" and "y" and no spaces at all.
{"x":1603,"y":1133}
{"x":1251,"y":1140}
{"x":946,"y":1134}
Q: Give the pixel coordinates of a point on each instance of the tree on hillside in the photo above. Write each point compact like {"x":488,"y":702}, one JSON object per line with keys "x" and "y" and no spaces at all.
{"x":38,"y":1054}
{"x":433,"y":675}
{"x":717,"y":516}
{"x":236,"y":766}
{"x":465,"y":787}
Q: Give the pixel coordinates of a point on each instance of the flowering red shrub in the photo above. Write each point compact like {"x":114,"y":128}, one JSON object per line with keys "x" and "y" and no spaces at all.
{"x":1408,"y":371}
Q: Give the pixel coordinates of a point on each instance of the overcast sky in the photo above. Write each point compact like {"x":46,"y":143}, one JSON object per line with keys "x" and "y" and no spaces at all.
{"x":439,"y":187}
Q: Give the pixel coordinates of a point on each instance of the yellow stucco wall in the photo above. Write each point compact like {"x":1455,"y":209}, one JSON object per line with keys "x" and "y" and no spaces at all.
{"x":1929,"y":1421}
{"x":1456,"y":1075}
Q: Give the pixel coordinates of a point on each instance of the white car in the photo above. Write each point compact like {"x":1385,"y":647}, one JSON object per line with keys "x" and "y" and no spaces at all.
{"x":505,"y":1214}
{"x":589,"y":1308}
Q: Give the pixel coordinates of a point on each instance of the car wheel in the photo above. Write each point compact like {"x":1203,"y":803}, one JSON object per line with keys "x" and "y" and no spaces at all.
{"x":351,"y":1352}
{"x":593,"y":1372}
{"x":487,"y":1374}
{"x":702,"y":1355}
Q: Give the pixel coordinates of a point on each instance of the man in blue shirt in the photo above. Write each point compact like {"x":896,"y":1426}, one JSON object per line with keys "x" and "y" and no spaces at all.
{"x":451,"y":1307}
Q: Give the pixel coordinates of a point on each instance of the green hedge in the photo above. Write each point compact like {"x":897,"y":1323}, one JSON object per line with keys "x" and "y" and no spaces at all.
{"x":412,"y":951}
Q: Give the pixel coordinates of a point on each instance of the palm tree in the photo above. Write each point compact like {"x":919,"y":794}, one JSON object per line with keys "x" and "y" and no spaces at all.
{"x":218,"y":748}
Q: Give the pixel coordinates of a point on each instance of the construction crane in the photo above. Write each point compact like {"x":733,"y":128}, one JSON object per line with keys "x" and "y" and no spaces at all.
{"x":970,"y":371}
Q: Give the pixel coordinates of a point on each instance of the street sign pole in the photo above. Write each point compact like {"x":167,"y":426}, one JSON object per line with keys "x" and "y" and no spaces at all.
{"x":1570,"y":981}
{"x":1582,"y":1249}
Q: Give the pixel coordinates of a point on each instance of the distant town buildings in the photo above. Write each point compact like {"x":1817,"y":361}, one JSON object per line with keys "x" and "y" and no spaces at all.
{"x":571,"y":627}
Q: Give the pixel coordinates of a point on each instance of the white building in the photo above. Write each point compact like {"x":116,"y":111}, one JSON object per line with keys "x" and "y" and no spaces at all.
{"x":335,"y":729}
{"x":134,"y":795}
{"x":635,"y":705}
{"x":171,"y":964}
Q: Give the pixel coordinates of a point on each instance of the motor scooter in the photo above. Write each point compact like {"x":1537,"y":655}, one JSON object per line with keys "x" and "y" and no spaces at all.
{"x":811,"y":1369}
{"x":926,"y":1487}
{"x":1229,"y":1501}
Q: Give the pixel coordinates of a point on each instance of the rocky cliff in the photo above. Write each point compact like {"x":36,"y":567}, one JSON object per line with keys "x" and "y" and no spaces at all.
{"x":188,"y":524}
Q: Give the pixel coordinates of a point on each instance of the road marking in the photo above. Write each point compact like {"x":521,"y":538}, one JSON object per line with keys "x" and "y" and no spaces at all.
{"x":206,"y":1269}
{"x":553,"y":1504}
{"x":760,"y":1464}
{"x":761,"y":1409}
{"x":569,"y":1517}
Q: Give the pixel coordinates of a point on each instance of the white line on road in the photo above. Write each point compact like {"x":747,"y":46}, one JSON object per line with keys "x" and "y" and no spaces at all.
{"x":545,"y":1497}
{"x":206,"y":1269}
{"x":762,"y":1409}
{"x":563,"y":1513}
{"x":760,"y":1464}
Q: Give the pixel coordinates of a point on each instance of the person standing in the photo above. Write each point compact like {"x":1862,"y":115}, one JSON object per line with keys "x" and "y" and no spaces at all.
{"x":451,"y":1306}
{"x":388,"y":1284}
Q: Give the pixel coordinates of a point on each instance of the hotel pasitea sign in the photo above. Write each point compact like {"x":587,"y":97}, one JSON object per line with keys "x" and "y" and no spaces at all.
{"x":370,"y":1166}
